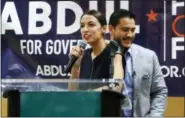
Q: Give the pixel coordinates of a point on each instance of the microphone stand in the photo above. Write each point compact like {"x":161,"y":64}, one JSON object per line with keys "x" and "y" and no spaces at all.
{"x":111,"y":67}
{"x":115,"y":49}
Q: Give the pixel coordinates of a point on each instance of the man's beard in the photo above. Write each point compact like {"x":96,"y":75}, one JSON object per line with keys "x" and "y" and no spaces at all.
{"x":125,"y":49}
{"x":131,"y":39}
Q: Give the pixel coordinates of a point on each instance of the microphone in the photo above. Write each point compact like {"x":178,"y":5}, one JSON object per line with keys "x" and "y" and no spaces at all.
{"x":114,"y":43}
{"x":117,"y":47}
{"x":81,"y":44}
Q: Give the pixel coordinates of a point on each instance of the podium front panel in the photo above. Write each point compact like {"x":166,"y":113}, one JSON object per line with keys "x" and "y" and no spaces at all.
{"x":65,"y":104}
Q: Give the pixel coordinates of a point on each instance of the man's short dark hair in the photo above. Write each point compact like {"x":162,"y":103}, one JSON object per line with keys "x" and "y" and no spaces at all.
{"x":117,"y":15}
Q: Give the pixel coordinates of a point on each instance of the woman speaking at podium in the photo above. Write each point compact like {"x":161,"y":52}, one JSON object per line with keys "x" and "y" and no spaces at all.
{"x":93,"y":63}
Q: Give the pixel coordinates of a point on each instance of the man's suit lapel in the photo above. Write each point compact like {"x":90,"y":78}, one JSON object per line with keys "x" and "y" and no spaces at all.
{"x":136,"y":65}
{"x":136,"y":72}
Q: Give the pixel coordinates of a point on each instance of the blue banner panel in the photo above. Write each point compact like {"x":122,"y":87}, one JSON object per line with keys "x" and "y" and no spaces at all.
{"x":37,"y":35}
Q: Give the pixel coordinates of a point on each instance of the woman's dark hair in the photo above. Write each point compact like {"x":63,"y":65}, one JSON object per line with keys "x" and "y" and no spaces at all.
{"x":98,"y":15}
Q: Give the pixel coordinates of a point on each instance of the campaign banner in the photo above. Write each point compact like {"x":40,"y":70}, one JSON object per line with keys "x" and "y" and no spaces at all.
{"x":36,"y":36}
